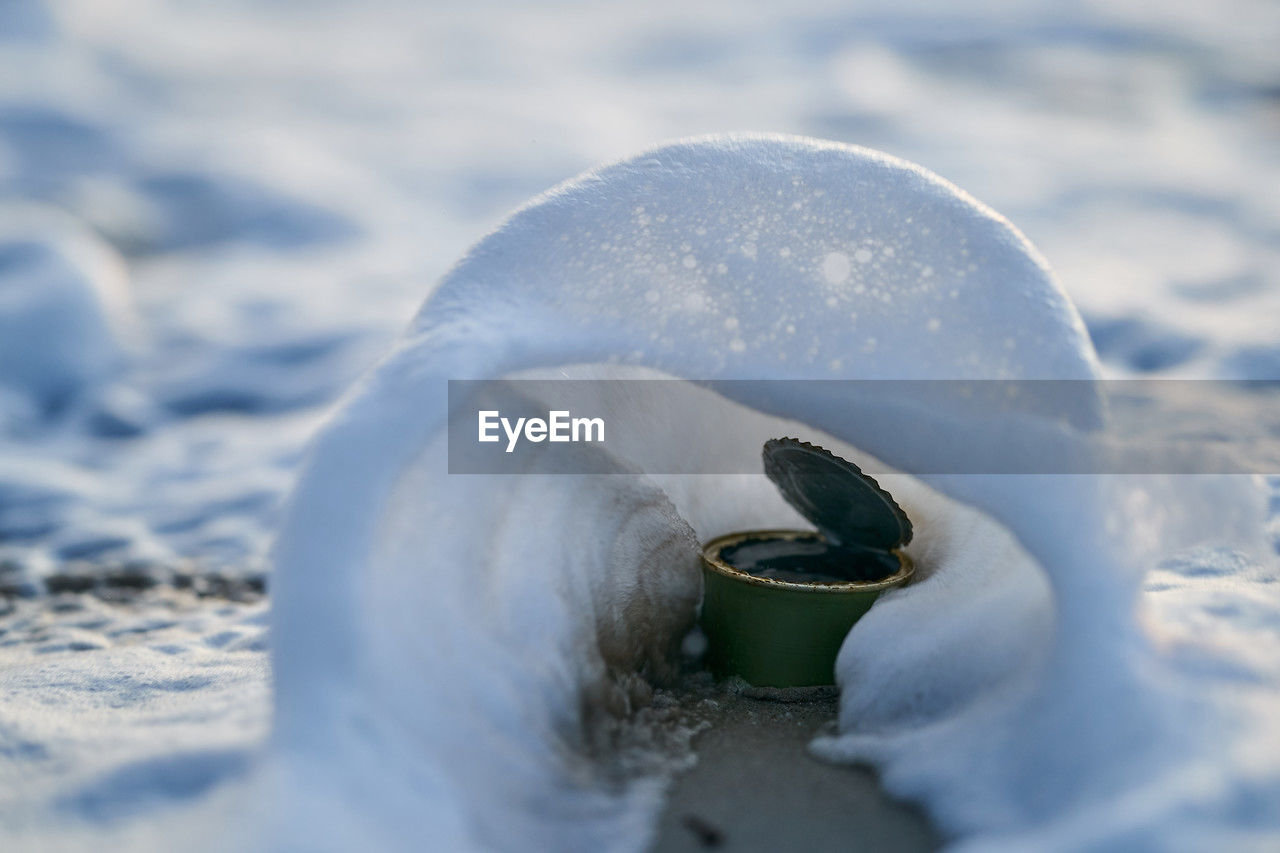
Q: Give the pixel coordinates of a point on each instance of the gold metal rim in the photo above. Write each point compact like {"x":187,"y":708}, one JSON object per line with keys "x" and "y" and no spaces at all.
{"x":711,"y":559}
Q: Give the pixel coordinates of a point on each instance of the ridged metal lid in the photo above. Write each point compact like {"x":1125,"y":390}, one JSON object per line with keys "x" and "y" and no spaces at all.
{"x":847,"y":506}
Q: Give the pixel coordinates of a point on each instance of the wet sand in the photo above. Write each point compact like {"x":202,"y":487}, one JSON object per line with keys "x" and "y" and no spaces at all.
{"x":755,"y":787}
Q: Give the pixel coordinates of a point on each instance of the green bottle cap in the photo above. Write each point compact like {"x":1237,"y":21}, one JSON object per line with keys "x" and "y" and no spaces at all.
{"x":848,"y":507}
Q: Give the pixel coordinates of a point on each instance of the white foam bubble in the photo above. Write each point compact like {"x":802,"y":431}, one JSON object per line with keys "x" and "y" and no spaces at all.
{"x":835,"y":268}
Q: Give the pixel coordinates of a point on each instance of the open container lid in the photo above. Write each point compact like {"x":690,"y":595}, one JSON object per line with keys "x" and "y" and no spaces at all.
{"x":848,"y":507}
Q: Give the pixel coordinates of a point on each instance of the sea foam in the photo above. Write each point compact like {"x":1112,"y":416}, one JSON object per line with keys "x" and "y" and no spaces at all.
{"x":442,"y":644}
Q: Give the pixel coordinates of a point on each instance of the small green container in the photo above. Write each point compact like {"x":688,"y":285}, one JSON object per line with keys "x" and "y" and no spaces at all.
{"x":774,"y":632}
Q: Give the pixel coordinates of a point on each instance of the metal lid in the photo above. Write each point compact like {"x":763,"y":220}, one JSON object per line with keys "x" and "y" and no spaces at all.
{"x":848,"y":507}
